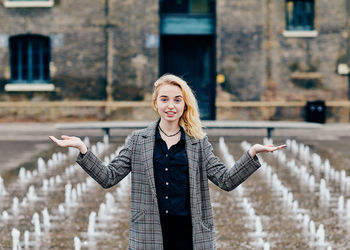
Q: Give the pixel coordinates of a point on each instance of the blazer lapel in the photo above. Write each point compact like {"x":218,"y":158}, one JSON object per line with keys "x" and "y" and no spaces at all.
{"x":148,"y":148}
{"x":192,"y":155}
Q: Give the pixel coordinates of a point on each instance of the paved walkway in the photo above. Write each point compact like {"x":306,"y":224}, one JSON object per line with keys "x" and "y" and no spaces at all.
{"x":21,"y":141}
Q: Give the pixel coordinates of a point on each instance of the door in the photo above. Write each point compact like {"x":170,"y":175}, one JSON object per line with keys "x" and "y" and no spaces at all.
{"x":192,"y":58}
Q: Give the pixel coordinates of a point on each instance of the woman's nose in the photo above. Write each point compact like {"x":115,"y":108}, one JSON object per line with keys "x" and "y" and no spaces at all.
{"x":170,"y":105}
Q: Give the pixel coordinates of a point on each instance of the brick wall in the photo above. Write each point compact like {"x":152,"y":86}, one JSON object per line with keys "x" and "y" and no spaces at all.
{"x":104,"y":49}
{"x":260,"y":63}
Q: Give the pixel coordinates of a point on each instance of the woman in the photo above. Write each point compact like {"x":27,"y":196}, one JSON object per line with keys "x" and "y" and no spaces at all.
{"x":171,"y":162}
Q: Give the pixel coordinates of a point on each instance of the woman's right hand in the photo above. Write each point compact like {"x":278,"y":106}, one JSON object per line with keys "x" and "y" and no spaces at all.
{"x":70,"y":141}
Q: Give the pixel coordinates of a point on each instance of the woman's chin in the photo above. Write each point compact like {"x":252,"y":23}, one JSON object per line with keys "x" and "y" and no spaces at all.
{"x":170,"y":118}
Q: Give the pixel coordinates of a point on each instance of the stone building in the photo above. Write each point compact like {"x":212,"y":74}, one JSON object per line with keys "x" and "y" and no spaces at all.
{"x":245,"y":59}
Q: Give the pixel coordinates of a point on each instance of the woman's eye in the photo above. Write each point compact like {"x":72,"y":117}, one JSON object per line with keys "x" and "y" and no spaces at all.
{"x":178,"y":100}
{"x":163,"y":99}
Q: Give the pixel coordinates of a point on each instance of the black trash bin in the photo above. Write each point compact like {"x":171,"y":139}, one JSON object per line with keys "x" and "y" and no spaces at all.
{"x":315,"y":111}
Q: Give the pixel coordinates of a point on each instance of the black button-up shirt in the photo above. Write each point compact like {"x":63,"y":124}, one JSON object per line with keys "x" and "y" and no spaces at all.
{"x":171,"y":177}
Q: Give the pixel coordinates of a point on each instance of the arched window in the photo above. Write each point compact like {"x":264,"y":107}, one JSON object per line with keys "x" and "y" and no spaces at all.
{"x":30,"y":59}
{"x":300,"y":14}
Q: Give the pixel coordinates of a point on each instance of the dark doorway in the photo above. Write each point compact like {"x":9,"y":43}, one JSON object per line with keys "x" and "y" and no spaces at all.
{"x":192,"y":58}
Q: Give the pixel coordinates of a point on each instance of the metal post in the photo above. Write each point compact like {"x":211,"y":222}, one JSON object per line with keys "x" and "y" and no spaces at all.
{"x":107,"y":131}
{"x":269,"y":132}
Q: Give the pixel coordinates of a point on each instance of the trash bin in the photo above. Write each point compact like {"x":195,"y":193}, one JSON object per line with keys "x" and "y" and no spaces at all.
{"x":316,"y":111}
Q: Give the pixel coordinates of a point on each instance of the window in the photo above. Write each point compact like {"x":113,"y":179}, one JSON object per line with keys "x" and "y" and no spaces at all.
{"x":28,"y":3}
{"x":300,"y":15}
{"x":30,"y":59}
{"x":187,"y":6}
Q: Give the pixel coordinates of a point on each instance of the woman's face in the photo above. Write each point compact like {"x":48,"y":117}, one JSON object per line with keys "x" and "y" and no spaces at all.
{"x":170,"y":103}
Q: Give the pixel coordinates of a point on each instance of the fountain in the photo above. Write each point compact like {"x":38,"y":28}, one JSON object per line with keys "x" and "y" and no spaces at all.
{"x":26,"y":239}
{"x":295,"y":206}
{"x":2,"y":187}
{"x":106,"y":160}
{"x":41,"y":165}
{"x":324,"y":192}
{"x":92,"y":224}
{"x":102,"y":212}
{"x":46,"y":218}
{"x":68,"y":190}
{"x":251,"y":213}
{"x":77,"y":243}
{"x":15,"y":205}
{"x":86,"y":141}
{"x":110,"y":203}
{"x":311,"y":183}
{"x":5,"y":215}
{"x":79,"y":189}
{"x":15,"y":239}
{"x":74,"y":196}
{"x":73,"y":152}
{"x":259,"y":233}
{"x":306,"y":221}
{"x":63,"y":205}
{"x":320,"y":235}
{"x":341,"y":204}
{"x":52,"y":182}
{"x":31,"y":195}
{"x":228,"y":158}
{"x":106,"y":139}
{"x":36,"y":223}
{"x":22,"y":174}
{"x":312,"y":229}
{"x":58,"y":179}
{"x":45,"y":185}
{"x":24,"y":202}
{"x":348,"y":208}
{"x":266,"y":246}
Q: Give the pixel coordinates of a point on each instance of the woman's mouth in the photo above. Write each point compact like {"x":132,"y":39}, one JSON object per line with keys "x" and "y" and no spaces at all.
{"x":170,"y":113}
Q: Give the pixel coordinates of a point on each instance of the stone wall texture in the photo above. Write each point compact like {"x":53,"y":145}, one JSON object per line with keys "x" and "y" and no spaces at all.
{"x":108,"y":49}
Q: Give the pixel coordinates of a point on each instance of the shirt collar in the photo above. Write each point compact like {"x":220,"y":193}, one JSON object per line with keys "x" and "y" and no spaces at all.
{"x":183,"y":134}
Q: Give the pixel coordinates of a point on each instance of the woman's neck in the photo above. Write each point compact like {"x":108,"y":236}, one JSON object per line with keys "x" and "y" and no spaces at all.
{"x":169,"y":127}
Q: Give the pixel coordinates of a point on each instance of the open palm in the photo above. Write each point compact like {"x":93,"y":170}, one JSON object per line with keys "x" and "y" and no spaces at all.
{"x":68,"y":141}
{"x":267,"y":148}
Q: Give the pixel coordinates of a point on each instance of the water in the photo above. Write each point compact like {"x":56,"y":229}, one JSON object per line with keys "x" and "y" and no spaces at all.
{"x":297,"y":201}
{"x":52,"y":201}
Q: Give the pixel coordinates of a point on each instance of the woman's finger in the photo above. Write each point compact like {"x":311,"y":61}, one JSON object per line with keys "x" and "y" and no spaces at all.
{"x":279,"y":147}
{"x":54,"y":139}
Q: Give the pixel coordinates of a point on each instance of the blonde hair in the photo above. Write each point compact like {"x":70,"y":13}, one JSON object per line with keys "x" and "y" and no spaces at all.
{"x":189,"y":120}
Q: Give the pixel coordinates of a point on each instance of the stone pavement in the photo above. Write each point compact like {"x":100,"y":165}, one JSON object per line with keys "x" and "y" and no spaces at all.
{"x":21,"y":141}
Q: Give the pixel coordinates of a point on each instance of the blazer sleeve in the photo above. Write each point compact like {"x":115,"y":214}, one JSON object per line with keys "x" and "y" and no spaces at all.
{"x":115,"y":171}
{"x":220,"y":175}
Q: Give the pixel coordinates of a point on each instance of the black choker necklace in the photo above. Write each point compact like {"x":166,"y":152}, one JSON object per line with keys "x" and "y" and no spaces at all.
{"x":167,"y":134}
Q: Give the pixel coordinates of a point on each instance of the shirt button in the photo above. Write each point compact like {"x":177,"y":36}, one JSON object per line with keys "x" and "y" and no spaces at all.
{"x":167,"y":183}
{"x":166,"y":197}
{"x":166,"y":211}
{"x":166,"y":155}
{"x":166,"y":169}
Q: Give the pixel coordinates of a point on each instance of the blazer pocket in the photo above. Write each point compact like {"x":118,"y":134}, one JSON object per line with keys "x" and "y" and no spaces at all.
{"x":207,"y":226}
{"x":137,"y":216}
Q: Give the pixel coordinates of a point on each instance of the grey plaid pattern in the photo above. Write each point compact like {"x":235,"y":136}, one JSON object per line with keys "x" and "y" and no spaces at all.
{"x":137,"y":157}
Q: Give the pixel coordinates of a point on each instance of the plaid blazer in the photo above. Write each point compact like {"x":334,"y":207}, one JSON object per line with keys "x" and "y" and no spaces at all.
{"x":137,"y":157}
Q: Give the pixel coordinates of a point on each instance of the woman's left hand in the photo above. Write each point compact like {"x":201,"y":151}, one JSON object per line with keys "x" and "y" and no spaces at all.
{"x":258,"y":148}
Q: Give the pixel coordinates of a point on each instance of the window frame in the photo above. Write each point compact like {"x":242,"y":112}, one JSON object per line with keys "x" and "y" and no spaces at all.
{"x":211,"y":9}
{"x":37,"y":55}
{"x":29,"y":4}
{"x":306,"y":20}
